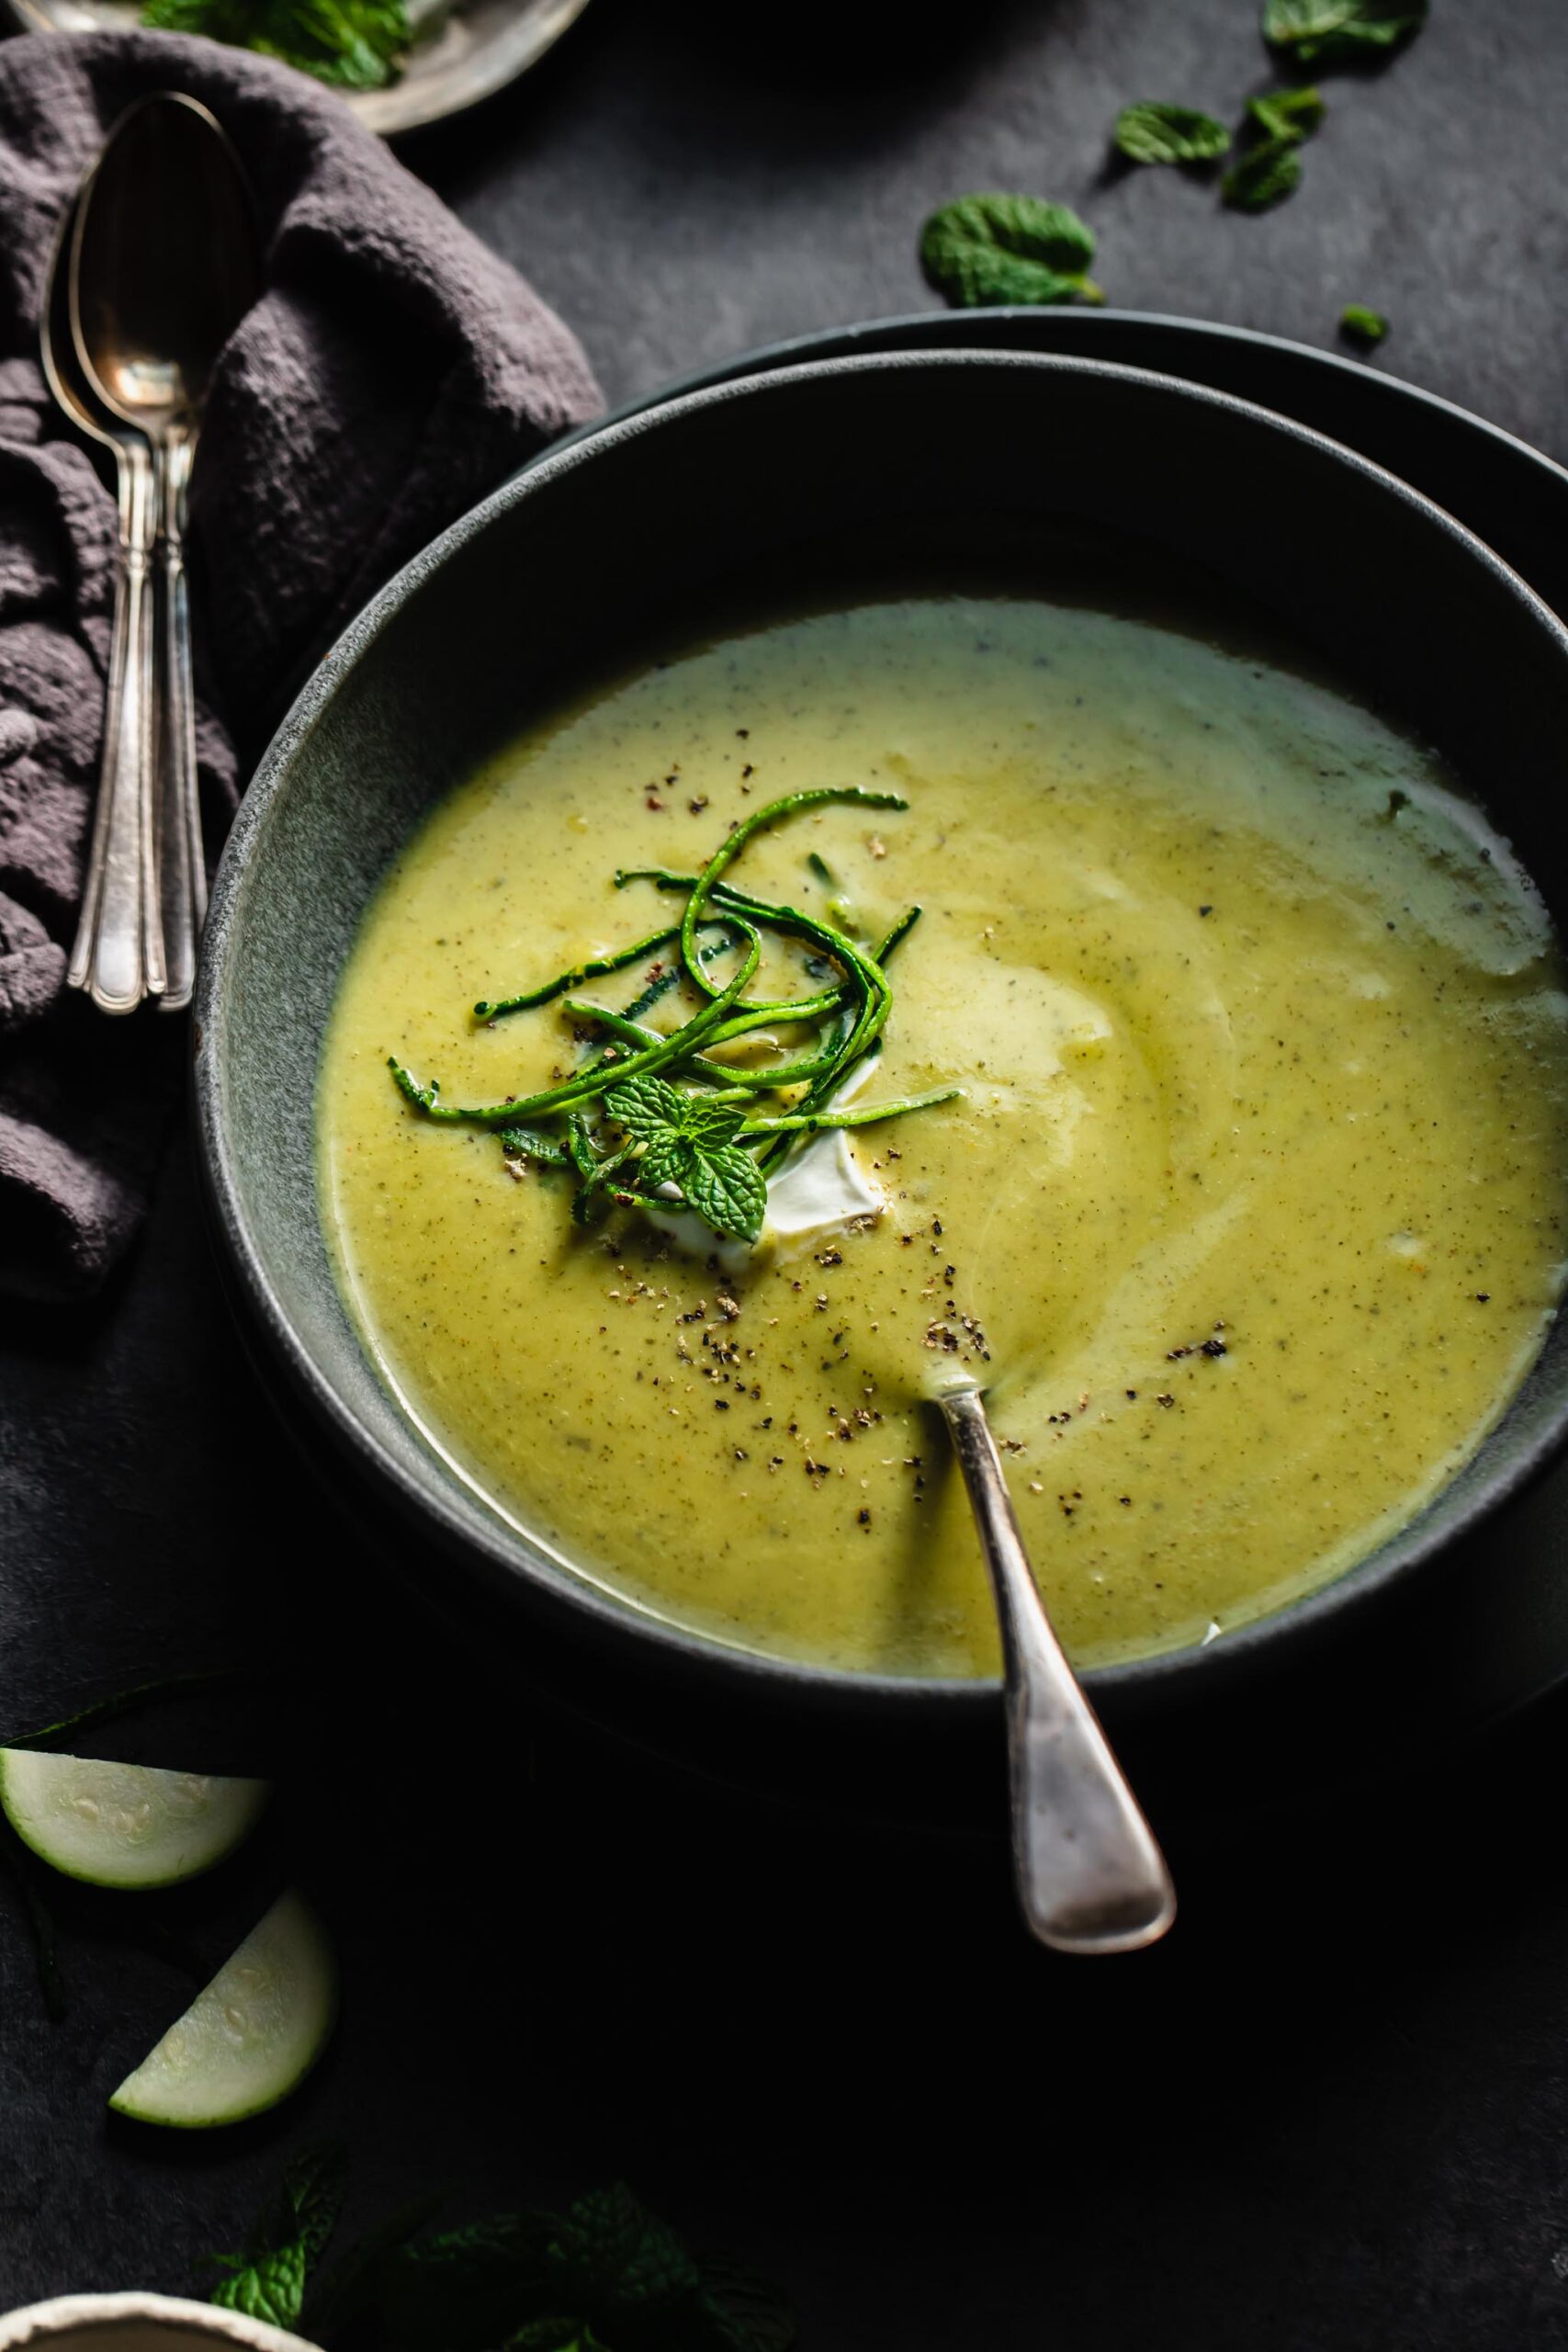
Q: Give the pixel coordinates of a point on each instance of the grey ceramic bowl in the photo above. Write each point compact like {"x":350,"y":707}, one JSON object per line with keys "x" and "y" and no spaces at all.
{"x":579,"y":558}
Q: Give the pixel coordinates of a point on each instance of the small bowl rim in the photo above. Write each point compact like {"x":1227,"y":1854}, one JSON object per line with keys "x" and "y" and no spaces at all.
{"x":1258,"y":1642}
{"x":60,"y":2314}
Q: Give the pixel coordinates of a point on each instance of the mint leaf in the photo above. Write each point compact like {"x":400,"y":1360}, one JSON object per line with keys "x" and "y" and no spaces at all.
{"x":726,"y":1188}
{"x":270,"y":2288}
{"x":648,"y":1108}
{"x":468,"y":2290}
{"x":1361,"y":325}
{"x":708,"y":1122}
{"x":664,"y":1161}
{"x":1338,"y":32}
{"x":267,"y":2281}
{"x":355,"y":44}
{"x":1288,"y":114}
{"x":351,"y":2290}
{"x":611,"y":2256}
{"x":1266,"y":172}
{"x":555,"y":2335}
{"x":1153,"y":132}
{"x":984,"y":249}
{"x":743,"y":2312}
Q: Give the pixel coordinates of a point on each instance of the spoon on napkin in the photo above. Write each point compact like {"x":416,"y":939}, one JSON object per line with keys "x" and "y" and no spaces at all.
{"x":109,"y":957}
{"x":164,"y":263}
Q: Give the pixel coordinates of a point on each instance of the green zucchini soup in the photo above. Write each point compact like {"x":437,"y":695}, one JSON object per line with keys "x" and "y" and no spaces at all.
{"x":1231,"y":1043}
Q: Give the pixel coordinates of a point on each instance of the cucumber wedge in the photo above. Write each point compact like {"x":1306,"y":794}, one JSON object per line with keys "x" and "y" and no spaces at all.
{"x":251,"y":2037}
{"x":124,"y":1824}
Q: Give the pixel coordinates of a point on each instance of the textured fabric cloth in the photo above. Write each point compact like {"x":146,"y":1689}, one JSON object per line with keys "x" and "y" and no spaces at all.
{"x":392,"y":372}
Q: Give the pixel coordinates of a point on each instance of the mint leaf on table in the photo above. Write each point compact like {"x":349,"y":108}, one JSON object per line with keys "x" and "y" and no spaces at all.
{"x":1271,"y":169}
{"x":267,"y":2281}
{"x":1265,"y":174}
{"x":1361,"y":325}
{"x":351,"y":2290}
{"x":743,"y":2312}
{"x":613,"y":2257}
{"x":1288,"y":114}
{"x":1153,"y":132}
{"x":555,"y":2335}
{"x":354,"y":44}
{"x":1338,"y":33}
{"x":986,"y":249}
{"x":468,"y":2289}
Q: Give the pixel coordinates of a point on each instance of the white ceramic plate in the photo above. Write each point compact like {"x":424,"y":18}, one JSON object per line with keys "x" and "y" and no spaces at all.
{"x":477,"y":49}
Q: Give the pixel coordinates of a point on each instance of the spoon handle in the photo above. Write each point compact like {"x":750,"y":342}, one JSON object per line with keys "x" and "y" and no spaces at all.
{"x":183,"y":871}
{"x":1091,"y":1877}
{"x":109,"y":957}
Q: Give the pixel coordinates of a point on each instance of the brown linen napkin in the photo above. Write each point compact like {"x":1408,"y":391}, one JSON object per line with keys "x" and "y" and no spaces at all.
{"x":392,"y":372}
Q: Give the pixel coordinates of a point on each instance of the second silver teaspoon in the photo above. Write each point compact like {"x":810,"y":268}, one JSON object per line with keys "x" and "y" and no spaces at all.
{"x":1091,"y":1876}
{"x":108,"y":958}
{"x":165,"y":265}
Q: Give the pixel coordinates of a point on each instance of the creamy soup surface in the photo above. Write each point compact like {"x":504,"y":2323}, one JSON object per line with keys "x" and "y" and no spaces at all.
{"x":1255,"y":1199}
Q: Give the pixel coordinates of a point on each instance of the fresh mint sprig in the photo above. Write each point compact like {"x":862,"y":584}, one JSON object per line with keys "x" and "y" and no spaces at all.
{"x":667,"y":1123}
{"x":354,"y":44}
{"x":989,"y":249}
{"x":606,"y":2276}
{"x":689,"y":1142}
{"x":1155,"y":132}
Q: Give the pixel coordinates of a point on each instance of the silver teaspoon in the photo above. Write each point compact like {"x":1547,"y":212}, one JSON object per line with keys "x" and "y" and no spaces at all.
{"x":165,"y":265}
{"x":1091,"y":1876}
{"x":107,"y":958}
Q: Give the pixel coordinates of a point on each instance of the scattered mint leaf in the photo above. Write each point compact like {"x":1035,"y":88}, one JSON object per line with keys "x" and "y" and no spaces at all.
{"x":555,"y":2335}
{"x":611,"y":2256}
{"x":468,"y":2289}
{"x":1338,"y":33}
{"x":743,"y":2312}
{"x":355,"y":44}
{"x":985,"y":249}
{"x":350,"y":2292}
{"x":1361,"y":325}
{"x":1288,"y":114}
{"x":1153,"y":133}
{"x":1265,"y":174}
{"x":267,"y":2281}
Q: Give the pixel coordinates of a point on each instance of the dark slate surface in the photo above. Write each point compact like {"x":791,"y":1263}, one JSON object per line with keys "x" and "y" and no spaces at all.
{"x":1333,"y":2111}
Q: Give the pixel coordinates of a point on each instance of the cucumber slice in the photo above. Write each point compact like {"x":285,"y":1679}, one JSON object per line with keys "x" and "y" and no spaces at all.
{"x":124,"y":1824}
{"x":251,"y":2037}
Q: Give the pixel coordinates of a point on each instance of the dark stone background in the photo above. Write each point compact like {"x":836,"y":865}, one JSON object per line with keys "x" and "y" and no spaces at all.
{"x":1333,"y":2111}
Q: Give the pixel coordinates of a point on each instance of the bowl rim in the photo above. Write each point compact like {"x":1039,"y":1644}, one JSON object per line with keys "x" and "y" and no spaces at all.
{"x":64,"y":2314}
{"x":1198,"y":1667}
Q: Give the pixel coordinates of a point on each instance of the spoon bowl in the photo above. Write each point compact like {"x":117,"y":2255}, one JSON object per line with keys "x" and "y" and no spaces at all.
{"x":165,"y":263}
